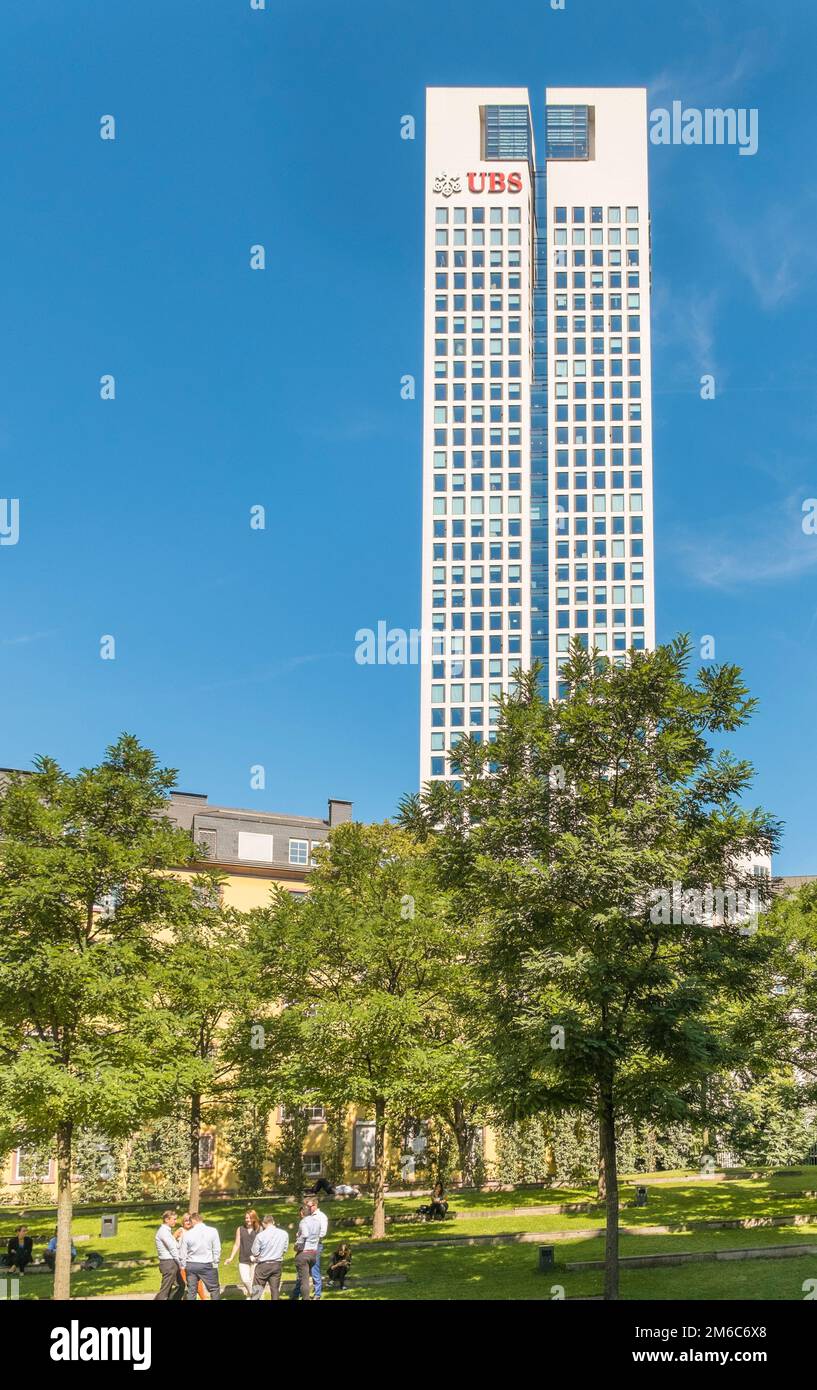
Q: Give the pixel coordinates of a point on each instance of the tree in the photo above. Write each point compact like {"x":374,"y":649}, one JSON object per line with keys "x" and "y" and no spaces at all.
{"x":364,"y":965}
{"x":202,"y":978}
{"x":582,"y":846}
{"x":767,"y":1122}
{"x":288,"y":1153}
{"x":792,"y":920}
{"x":157,"y":1160}
{"x":83,"y":889}
{"x":453,"y":1091}
{"x":247,"y":1120}
{"x":266,"y":1040}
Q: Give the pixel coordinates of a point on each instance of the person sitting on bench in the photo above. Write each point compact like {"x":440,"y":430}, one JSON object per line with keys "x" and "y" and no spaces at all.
{"x":50,"y":1255}
{"x":20,"y":1252}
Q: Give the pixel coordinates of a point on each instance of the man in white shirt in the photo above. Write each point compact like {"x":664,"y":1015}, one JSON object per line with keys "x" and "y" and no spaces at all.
{"x":167,"y":1249}
{"x":268,"y":1250}
{"x":199,"y":1255}
{"x":307,"y":1244}
{"x":323,"y":1222}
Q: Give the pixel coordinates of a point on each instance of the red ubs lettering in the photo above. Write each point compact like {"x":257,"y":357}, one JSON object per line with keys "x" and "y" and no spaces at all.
{"x":495,"y":181}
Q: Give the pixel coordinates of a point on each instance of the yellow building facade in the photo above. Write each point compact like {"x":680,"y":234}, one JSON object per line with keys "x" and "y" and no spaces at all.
{"x":255,"y":852}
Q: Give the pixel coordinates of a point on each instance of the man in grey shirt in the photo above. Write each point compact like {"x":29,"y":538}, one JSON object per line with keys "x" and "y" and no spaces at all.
{"x":199,"y":1255}
{"x":268,"y":1250}
{"x":306,"y":1250}
{"x":167,"y":1249}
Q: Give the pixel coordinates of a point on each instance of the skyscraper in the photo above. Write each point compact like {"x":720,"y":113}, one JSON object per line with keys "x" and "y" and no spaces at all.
{"x":537,"y":445}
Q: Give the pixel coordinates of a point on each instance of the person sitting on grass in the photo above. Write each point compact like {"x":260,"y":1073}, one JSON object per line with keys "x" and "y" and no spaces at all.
{"x":339,"y":1264}
{"x":439,"y":1205}
{"x":20,"y":1251}
{"x":437,"y":1208}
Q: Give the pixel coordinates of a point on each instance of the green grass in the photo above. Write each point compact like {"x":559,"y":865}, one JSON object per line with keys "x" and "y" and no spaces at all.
{"x":505,"y":1271}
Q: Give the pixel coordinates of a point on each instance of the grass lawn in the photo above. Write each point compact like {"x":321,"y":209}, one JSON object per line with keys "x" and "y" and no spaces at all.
{"x":506,"y":1271}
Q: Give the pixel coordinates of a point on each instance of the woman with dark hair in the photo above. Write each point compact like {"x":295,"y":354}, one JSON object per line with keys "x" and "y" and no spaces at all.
{"x":438,"y":1204}
{"x":436,"y":1209}
{"x":242,"y":1246}
{"x":339,"y":1264}
{"x":20,"y":1252}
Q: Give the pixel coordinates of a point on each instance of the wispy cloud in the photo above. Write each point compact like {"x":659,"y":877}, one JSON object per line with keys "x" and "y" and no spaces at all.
{"x":708,"y":83}
{"x":719,"y":71}
{"x":362,"y":425}
{"x":684,"y":328}
{"x":774,"y":251}
{"x":24,"y":638}
{"x":766,"y":546}
{"x":274,"y":672}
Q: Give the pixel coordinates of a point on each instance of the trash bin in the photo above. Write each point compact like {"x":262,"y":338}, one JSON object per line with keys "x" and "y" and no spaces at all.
{"x":641,"y":1196}
{"x":546,"y":1257}
{"x":110,"y":1225}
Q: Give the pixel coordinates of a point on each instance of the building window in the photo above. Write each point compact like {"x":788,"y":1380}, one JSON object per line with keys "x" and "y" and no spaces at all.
{"x":363,"y":1145}
{"x":568,"y":131}
{"x":28,"y":1166}
{"x":312,"y":1165}
{"x":299,"y":851}
{"x":207,"y":893}
{"x":506,"y":132}
{"x":207,"y":1151}
{"x":254,"y":846}
{"x":206,"y":843}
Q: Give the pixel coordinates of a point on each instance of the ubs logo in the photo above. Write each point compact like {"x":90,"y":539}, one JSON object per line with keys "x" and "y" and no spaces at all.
{"x":495,"y":181}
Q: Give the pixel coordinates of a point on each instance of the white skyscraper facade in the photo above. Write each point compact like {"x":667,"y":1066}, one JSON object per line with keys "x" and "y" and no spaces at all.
{"x":537,"y":441}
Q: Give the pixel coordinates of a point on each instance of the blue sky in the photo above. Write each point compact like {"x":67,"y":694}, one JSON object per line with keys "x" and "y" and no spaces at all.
{"x":233,"y":388}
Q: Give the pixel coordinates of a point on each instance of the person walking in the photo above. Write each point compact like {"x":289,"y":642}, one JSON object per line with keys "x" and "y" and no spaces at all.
{"x":306,"y":1251}
{"x":167,"y":1251}
{"x":199,"y":1255}
{"x":268,"y":1250}
{"x":242,"y":1246}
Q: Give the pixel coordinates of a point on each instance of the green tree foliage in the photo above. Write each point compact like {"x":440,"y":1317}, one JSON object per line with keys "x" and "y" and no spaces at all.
{"x":765,"y":1122}
{"x":83,"y":890}
{"x":793,"y":922}
{"x":288,"y":1151}
{"x":157,"y":1160}
{"x":336,"y":1156}
{"x":246,"y":1122}
{"x":364,"y":964}
{"x":593,"y":1002}
{"x":202,"y":978}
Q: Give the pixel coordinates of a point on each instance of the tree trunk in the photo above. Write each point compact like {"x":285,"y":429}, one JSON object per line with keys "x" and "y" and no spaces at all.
{"x":379,"y":1212}
{"x":601,"y":1193}
{"x":607,"y":1133}
{"x":464,"y":1139}
{"x":195,"y":1137}
{"x":62,"y":1265}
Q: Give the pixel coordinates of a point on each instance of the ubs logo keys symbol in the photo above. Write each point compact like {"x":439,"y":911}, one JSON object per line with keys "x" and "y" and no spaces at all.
{"x":447,"y":184}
